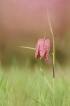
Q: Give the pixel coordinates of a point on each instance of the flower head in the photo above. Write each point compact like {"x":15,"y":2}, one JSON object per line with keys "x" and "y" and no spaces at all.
{"x":42,"y":48}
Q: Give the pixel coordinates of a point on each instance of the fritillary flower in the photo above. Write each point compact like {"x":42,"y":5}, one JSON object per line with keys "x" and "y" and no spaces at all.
{"x":42,"y":48}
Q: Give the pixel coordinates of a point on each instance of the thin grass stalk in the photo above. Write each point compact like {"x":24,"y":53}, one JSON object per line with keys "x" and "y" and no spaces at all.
{"x":27,"y":47}
{"x":36,"y":100}
{"x":46,"y":79}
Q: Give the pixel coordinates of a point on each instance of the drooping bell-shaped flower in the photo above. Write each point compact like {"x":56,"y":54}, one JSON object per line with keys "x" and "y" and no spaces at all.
{"x":42,"y":48}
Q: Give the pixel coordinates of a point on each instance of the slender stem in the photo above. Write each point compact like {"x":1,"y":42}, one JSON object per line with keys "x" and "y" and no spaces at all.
{"x":53,"y":57}
{"x":53,"y":93}
{"x":53,"y":44}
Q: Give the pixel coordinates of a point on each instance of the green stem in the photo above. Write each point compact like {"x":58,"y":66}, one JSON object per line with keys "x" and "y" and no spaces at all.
{"x":53,"y":54}
{"x":53,"y":58}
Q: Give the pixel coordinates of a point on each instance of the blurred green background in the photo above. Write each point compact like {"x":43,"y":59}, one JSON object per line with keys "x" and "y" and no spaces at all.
{"x":22,"y":23}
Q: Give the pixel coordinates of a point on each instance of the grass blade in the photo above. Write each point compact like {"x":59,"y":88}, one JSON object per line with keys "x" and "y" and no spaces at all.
{"x":25,"y":47}
{"x":46,"y":79}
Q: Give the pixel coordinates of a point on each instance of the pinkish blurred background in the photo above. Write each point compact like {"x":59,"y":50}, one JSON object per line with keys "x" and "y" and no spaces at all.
{"x":22,"y":22}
